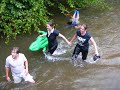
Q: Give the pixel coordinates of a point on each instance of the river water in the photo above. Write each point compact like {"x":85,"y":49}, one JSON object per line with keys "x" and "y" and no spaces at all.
{"x":58,"y":73}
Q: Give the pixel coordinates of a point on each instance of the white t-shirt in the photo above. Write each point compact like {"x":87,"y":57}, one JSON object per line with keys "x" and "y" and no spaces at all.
{"x":17,"y":66}
{"x":75,"y":20}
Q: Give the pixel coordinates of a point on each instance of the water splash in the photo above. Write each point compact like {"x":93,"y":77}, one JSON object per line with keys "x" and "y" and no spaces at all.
{"x":52,"y":58}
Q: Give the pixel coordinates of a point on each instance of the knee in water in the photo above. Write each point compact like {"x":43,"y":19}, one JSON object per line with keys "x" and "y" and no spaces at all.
{"x":74,"y":57}
{"x":83,"y":58}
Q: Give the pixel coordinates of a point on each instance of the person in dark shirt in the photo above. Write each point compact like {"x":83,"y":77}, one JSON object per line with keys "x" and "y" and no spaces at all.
{"x":82,"y":46}
{"x":52,"y":34}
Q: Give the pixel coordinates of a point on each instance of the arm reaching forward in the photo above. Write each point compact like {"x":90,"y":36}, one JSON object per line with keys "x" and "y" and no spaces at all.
{"x":73,"y":38}
{"x":60,"y":35}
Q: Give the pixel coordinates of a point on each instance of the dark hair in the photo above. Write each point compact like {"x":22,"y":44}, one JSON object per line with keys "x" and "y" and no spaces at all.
{"x":51,"y":24}
{"x":16,"y":49}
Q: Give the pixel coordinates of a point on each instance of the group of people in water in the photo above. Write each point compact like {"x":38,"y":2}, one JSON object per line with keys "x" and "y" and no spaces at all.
{"x":82,"y":35}
{"x":19,"y":64}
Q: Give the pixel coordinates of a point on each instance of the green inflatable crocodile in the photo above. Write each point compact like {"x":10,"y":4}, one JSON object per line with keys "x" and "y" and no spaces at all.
{"x":41,"y":42}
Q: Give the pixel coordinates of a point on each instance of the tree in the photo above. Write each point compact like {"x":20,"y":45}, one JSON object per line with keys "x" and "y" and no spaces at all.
{"x":23,"y":16}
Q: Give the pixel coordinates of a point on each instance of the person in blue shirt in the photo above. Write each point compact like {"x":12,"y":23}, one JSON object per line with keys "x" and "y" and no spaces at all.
{"x":82,"y":45}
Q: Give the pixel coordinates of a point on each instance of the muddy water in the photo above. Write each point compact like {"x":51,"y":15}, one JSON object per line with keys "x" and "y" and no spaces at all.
{"x":60,"y":74}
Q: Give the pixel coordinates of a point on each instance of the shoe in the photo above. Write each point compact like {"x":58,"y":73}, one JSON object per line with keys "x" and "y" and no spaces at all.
{"x":95,"y":57}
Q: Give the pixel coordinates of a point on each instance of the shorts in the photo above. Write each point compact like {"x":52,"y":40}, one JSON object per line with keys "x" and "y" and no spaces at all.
{"x":19,"y":77}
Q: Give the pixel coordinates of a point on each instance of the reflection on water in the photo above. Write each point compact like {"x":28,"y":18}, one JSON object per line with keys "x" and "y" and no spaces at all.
{"x":62,"y":74}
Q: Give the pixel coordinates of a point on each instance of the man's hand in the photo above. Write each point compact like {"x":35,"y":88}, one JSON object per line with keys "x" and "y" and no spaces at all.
{"x":8,"y":79}
{"x":26,"y":71}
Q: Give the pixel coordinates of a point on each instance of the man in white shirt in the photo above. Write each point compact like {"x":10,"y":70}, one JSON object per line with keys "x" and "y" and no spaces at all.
{"x":18,"y":64}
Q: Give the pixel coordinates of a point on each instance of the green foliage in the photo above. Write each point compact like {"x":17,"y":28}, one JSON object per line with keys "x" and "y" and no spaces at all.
{"x":24,"y":16}
{"x":21,"y":16}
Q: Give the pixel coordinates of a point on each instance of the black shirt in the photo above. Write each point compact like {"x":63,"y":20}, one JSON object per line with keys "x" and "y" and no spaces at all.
{"x":83,"y":40}
{"x":52,"y":38}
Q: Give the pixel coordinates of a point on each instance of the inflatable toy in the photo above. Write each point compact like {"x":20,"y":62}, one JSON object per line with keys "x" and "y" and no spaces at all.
{"x":41,"y":42}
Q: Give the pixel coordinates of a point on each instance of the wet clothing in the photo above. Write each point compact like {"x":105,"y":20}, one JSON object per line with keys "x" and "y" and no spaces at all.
{"x":73,"y":22}
{"x":75,"y":19}
{"x":82,"y":45}
{"x":52,"y":41}
{"x":19,"y":77}
{"x":17,"y":68}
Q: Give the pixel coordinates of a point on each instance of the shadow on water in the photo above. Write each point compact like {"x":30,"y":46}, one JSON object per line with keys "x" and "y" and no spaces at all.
{"x":62,"y":74}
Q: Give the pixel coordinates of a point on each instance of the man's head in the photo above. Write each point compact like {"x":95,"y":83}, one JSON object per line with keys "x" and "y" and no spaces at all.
{"x":14,"y":52}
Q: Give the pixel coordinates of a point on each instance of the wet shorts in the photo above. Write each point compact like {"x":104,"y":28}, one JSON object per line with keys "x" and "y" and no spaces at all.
{"x":18,"y":78}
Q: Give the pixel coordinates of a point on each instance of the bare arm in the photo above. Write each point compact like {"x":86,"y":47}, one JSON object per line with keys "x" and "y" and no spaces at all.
{"x":94,"y":44}
{"x":60,"y":35}
{"x":42,"y":35}
{"x":73,"y":38}
{"x":78,"y":16}
{"x":7,"y":73}
{"x":26,"y":66}
{"x":77,"y":27}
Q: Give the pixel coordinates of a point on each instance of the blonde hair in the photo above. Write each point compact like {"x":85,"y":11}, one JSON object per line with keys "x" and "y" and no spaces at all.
{"x":84,"y":25}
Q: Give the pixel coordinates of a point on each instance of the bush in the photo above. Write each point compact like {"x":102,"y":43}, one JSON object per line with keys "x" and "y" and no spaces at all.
{"x":23,"y":16}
